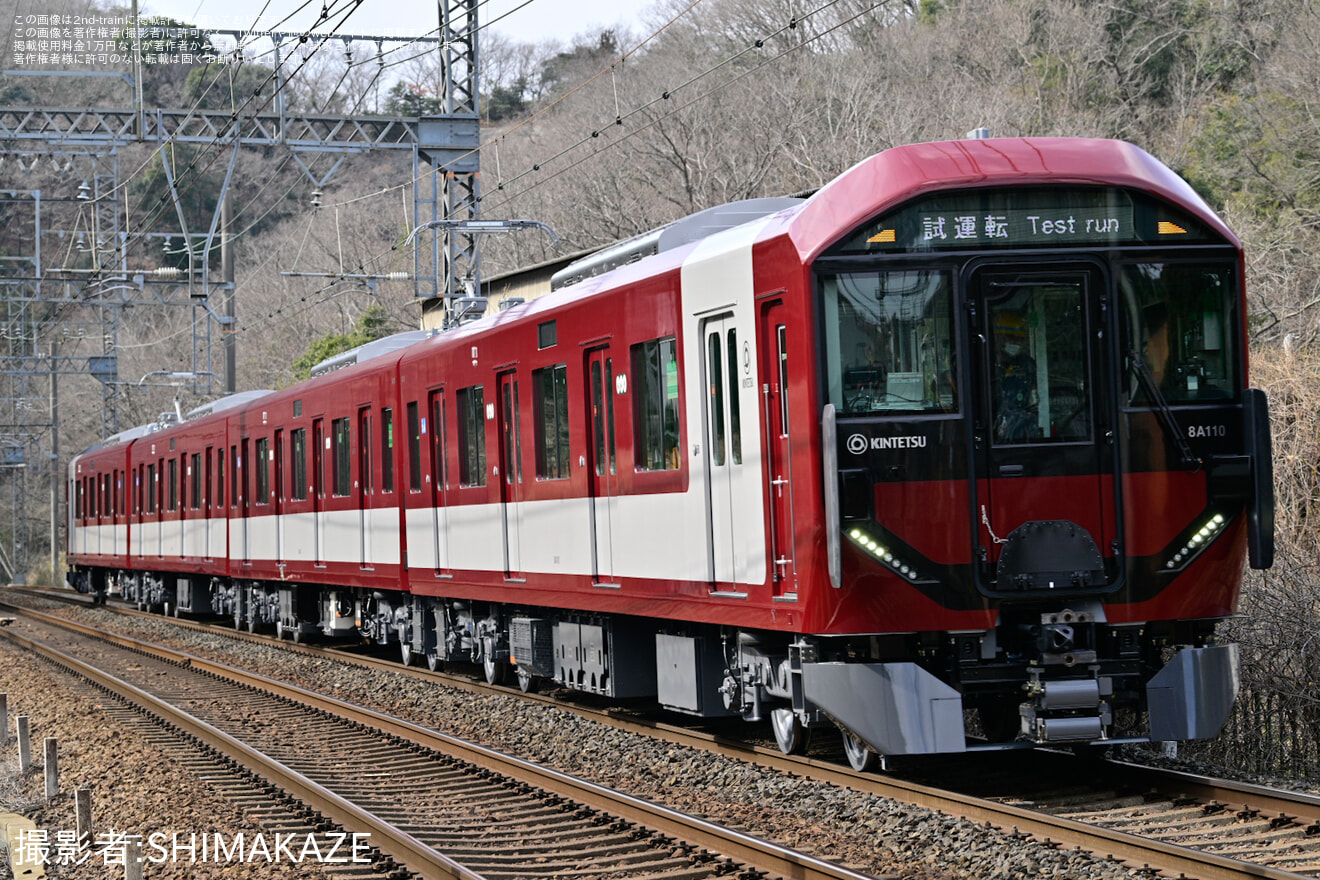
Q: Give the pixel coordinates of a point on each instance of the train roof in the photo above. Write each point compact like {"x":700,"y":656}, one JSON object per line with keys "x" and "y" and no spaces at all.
{"x":897,"y":175}
{"x":693,"y":227}
{"x":124,"y":436}
{"x":374,"y":349}
{"x":228,"y":402}
{"x":164,"y":421}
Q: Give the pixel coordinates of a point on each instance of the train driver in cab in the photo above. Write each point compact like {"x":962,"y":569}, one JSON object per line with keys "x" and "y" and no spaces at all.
{"x":1015,"y":379}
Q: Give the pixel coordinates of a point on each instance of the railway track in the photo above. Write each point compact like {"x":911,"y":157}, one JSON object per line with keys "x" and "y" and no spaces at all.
{"x":1247,"y":823}
{"x":1171,"y":823}
{"x":437,"y":806}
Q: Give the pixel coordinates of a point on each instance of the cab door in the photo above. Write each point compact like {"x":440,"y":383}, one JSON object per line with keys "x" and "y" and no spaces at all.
{"x":1044,"y":450}
{"x":779,"y":460}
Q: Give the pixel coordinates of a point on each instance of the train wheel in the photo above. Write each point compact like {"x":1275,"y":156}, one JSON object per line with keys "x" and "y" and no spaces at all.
{"x":434,"y":663}
{"x":860,"y":757}
{"x":494,"y":669}
{"x":790,"y":735}
{"x":405,"y":652}
{"x":526,"y":681}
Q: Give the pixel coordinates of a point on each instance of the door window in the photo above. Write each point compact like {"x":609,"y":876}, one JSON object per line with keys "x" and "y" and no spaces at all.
{"x":512,"y":436}
{"x":656,"y":409}
{"x":1039,"y":377}
{"x":602,"y":417}
{"x":550,"y":404}
{"x":471,"y":437}
{"x":715,"y":381}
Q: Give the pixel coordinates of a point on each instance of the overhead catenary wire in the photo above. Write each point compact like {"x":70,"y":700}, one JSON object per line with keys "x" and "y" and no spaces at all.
{"x":131,"y":241}
{"x":187,"y":177}
{"x":195,"y":106}
{"x":242,"y":210}
{"x":544,"y":110}
{"x":235,"y":117}
{"x":665,"y":95}
{"x":320,"y":39}
{"x":169,"y":142}
{"x":792,"y":24}
{"x":668,"y":94}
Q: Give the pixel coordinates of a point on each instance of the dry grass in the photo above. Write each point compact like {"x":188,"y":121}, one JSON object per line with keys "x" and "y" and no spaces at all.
{"x":1277,"y":723}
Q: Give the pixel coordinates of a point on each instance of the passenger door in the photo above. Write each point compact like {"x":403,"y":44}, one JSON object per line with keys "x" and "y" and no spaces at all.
{"x":277,"y":494}
{"x":511,"y":474}
{"x":319,"y":441}
{"x":364,"y":486}
{"x":243,"y":468}
{"x":603,"y":466}
{"x":207,"y":505}
{"x":723,"y":447}
{"x":440,"y":480}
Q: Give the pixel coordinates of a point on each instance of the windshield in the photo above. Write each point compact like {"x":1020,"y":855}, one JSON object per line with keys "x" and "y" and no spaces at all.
{"x":889,"y":342}
{"x":1176,"y":317}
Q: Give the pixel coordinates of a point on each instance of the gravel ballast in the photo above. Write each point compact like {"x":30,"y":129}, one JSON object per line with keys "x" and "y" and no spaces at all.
{"x":872,"y":834}
{"x":136,"y":787}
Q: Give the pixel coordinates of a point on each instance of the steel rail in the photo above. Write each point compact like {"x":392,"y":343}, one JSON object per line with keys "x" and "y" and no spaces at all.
{"x":755,"y":852}
{"x":1131,"y":849}
{"x":406,"y":849}
{"x":1299,"y":806}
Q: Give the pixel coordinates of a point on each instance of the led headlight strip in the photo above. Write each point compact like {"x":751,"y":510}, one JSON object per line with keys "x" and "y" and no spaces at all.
{"x":1199,"y":540}
{"x":882,"y":553}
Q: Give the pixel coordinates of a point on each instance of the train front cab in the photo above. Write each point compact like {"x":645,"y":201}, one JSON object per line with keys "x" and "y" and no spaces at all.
{"x":1040,"y":447}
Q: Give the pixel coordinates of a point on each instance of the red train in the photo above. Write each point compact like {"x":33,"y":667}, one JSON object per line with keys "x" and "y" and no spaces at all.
{"x":957,"y":453}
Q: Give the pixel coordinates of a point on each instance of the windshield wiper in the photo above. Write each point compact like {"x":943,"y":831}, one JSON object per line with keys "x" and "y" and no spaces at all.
{"x":1170,"y":424}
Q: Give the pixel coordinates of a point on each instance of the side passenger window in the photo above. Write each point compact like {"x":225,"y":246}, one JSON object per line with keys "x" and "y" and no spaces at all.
{"x":655,"y":417}
{"x":471,"y":436}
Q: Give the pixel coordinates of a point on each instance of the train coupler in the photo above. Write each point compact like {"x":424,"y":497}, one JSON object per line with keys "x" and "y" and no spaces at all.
{"x":1066,"y":710}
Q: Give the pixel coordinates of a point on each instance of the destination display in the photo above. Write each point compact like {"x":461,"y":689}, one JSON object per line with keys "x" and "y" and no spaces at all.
{"x":1025,"y":218}
{"x":1025,"y":226}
